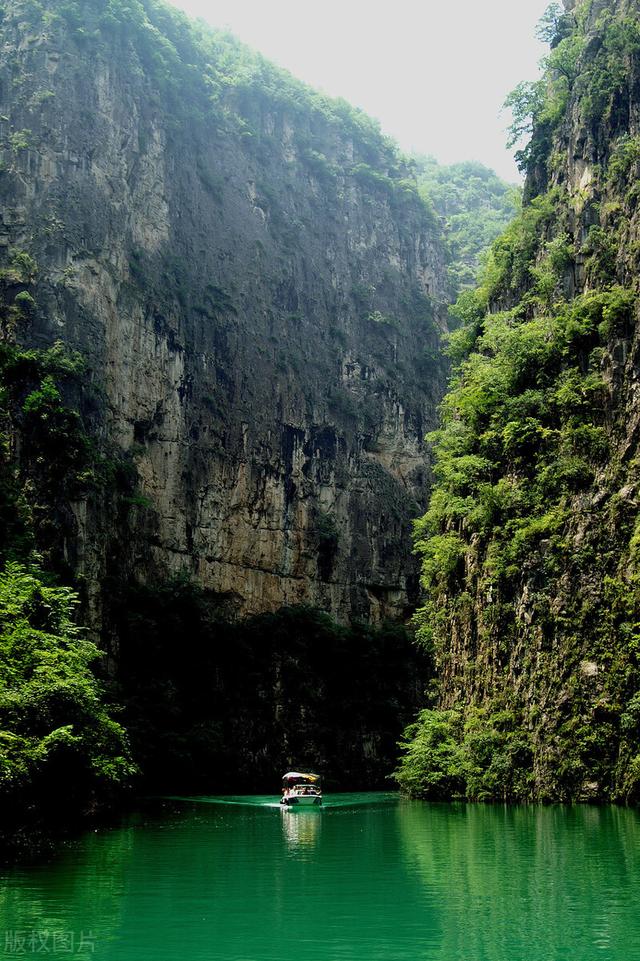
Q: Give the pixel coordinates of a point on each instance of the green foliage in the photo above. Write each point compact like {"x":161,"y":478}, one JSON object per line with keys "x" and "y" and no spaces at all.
{"x":482,"y":756}
{"x":598,"y":81}
{"x":209,"y":75}
{"x":624,"y":156}
{"x":322,"y":168}
{"x":562,"y":66}
{"x":523,"y":433}
{"x":534,"y":106}
{"x":430,"y":767}
{"x":601,"y":249}
{"x":476,"y":205}
{"x":525,"y":102}
{"x":530,"y":543}
{"x":23,"y":268}
{"x":19,"y":140}
{"x":24,"y":300}
{"x":605,"y":75}
{"x":551,"y":23}
{"x":57,"y":460}
{"x":376,"y":317}
{"x":511,"y":259}
{"x":443,"y":553}
{"x":552,"y":268}
{"x":369,"y":177}
{"x":524,"y":406}
{"x":59,"y":744}
{"x":61,"y":751}
{"x":538,"y":107}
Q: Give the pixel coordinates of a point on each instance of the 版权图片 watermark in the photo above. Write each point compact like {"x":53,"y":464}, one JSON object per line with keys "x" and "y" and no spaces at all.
{"x":48,"y":942}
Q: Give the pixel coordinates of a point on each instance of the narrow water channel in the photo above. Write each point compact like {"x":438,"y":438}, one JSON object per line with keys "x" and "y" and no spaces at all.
{"x":365,"y":877}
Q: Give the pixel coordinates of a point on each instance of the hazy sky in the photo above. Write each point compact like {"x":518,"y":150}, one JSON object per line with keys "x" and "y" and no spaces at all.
{"x":434,"y":72}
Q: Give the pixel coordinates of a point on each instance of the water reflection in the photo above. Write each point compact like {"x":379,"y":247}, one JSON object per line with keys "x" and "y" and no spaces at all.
{"x":528,"y":882}
{"x":73,"y":904}
{"x":365,"y":877}
{"x":301,"y":829}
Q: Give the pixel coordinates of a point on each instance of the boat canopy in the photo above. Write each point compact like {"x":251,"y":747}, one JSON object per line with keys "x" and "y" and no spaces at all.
{"x":295,"y":777}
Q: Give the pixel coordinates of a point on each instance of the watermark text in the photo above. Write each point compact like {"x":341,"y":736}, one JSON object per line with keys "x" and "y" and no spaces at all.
{"x":48,"y":942}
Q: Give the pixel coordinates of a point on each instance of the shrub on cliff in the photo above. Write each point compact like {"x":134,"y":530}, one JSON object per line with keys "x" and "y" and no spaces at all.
{"x":59,"y":745}
{"x":480,"y":756}
{"x":431,"y":765}
{"x":476,"y":206}
{"x":529,"y":545}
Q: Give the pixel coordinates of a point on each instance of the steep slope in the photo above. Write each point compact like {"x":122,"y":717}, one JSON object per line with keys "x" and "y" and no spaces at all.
{"x":254,"y":285}
{"x":476,"y":206}
{"x":531,"y":540}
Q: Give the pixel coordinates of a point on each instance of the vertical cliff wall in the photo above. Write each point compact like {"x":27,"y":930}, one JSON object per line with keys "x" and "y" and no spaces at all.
{"x":531,"y":541}
{"x":256,"y":288}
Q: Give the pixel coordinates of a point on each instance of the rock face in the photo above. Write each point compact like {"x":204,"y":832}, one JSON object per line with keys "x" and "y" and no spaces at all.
{"x":256,"y":287}
{"x":531,"y":542}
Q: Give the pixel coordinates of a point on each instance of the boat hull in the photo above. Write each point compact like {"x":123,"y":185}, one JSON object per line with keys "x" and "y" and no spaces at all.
{"x":304,"y":800}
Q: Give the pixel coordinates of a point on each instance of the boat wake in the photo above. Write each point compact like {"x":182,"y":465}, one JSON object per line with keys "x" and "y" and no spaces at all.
{"x":330,"y":801}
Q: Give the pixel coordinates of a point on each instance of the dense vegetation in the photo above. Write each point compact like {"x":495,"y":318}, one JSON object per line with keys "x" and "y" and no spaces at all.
{"x":60,"y":746}
{"x":530,"y":543}
{"x":62,"y":752}
{"x":209,"y":75}
{"x":476,"y":206}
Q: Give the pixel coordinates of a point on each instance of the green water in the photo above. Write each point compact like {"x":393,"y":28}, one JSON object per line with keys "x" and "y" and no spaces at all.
{"x":367,"y":877}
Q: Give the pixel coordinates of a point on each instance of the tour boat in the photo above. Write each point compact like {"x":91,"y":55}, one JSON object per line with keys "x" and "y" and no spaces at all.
{"x":301,"y":790}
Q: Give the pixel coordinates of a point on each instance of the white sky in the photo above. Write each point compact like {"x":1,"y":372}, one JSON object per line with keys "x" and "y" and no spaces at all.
{"x":434,"y":72}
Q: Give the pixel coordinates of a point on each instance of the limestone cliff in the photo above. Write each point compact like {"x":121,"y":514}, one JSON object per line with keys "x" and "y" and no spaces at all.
{"x":255,"y":285}
{"x":531,"y":540}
